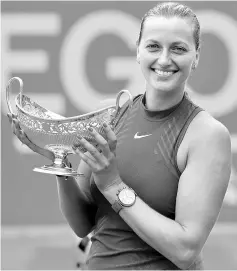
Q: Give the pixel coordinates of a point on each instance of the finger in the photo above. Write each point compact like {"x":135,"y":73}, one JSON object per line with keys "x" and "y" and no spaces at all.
{"x":89,"y":156}
{"x":12,"y":116}
{"x":24,"y":139}
{"x":9,"y":117}
{"x":13,"y":126}
{"x":77,"y":146}
{"x":103,"y":144}
{"x":19,"y":132}
{"x":111,"y":137}
{"x":16,"y":127}
{"x":78,"y":151}
{"x":90,"y":148}
{"x":17,"y":124}
{"x":90,"y":162}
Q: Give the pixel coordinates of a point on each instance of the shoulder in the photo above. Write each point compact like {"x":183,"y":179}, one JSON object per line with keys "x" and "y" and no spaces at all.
{"x":209,"y":144}
{"x":205,"y":128}
{"x":205,"y":138}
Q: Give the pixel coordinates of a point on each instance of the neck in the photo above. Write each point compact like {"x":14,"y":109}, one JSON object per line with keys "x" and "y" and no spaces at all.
{"x":155,"y":100}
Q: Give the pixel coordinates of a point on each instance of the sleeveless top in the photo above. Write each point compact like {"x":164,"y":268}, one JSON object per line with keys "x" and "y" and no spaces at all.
{"x":147,"y":145}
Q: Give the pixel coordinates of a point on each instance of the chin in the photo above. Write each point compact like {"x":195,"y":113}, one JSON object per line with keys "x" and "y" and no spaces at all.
{"x":164,"y":88}
{"x":168,"y":86}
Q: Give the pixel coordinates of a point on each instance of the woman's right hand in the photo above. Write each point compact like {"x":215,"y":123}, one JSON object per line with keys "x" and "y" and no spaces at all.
{"x":25,"y":140}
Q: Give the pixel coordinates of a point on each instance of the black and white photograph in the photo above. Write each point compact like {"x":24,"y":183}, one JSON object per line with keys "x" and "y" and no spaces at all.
{"x":118,"y":135}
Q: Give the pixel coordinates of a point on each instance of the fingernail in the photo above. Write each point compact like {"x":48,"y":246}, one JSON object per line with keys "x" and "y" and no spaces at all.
{"x":105,"y":124}
{"x":90,"y":129}
{"x":76,"y":151}
{"x":79,"y":137}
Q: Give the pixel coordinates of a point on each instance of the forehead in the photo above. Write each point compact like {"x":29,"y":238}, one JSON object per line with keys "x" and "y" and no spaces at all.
{"x":170,"y":29}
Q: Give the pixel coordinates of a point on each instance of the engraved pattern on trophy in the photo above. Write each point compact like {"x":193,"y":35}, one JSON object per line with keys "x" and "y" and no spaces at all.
{"x":49,"y":130}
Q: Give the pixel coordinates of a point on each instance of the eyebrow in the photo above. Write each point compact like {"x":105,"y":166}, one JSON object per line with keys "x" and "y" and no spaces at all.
{"x":180,"y":42}
{"x":174,"y":43}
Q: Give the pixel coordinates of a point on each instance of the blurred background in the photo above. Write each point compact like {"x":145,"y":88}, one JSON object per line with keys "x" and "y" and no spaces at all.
{"x":74,"y":57}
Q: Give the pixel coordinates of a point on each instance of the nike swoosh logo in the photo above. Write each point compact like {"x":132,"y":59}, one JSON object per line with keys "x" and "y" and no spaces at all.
{"x":141,"y":136}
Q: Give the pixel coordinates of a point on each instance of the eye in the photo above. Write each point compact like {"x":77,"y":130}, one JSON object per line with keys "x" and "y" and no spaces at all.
{"x":153,"y":47}
{"x":179,"y":49}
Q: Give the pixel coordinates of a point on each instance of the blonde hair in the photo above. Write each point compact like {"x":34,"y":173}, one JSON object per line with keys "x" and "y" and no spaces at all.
{"x":173,"y":9}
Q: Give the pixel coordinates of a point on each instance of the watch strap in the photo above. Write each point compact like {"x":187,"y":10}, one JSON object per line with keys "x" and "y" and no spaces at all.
{"x":117,"y":207}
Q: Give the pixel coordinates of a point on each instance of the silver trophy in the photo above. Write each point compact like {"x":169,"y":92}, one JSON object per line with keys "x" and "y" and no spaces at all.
{"x":57,"y":133}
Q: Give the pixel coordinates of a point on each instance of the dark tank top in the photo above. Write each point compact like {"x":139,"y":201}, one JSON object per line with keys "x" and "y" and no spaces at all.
{"x":146,"y":152}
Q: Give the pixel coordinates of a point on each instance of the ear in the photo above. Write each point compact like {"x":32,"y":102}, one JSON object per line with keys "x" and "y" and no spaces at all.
{"x":138,"y":56}
{"x":197,"y":57}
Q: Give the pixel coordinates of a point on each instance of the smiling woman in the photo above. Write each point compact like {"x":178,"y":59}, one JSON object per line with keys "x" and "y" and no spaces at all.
{"x":167,"y":52}
{"x":153,"y":192}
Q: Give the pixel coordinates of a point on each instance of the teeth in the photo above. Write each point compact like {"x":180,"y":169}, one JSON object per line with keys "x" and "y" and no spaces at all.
{"x":162,"y":73}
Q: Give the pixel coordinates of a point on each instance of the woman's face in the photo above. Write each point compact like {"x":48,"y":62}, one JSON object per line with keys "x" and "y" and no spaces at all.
{"x":166,"y":53}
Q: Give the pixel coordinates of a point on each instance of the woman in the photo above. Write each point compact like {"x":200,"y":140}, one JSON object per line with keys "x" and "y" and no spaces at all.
{"x":154,"y":191}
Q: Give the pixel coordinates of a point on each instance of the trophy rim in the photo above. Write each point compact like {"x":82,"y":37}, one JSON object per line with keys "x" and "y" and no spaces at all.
{"x":63,"y":119}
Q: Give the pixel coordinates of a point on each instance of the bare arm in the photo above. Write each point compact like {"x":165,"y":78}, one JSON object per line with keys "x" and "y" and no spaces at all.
{"x":76,"y":202}
{"x":201,"y":190}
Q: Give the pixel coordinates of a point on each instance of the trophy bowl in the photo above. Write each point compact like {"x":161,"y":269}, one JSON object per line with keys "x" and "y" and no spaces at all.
{"x":56,"y":133}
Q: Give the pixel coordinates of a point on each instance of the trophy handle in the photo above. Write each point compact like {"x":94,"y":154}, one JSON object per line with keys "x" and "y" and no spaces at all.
{"x":8,"y":92}
{"x":118,"y":108}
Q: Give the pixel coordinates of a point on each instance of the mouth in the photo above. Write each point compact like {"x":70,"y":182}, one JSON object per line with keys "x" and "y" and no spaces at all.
{"x":164,"y":74}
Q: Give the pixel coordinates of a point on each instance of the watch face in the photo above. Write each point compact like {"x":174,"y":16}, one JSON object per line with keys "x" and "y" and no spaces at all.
{"x":127,"y":197}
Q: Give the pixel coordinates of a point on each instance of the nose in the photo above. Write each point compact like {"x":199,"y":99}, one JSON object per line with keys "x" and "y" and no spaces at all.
{"x":163,"y":58}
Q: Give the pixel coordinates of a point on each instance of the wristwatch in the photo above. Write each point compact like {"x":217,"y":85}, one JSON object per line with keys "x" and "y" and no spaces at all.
{"x":126,"y":197}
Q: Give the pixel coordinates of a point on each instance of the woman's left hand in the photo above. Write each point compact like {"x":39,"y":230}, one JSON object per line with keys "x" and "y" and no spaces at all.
{"x":103,"y":164}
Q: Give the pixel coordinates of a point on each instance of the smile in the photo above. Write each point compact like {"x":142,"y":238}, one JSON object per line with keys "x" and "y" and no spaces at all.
{"x":164,"y":73}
